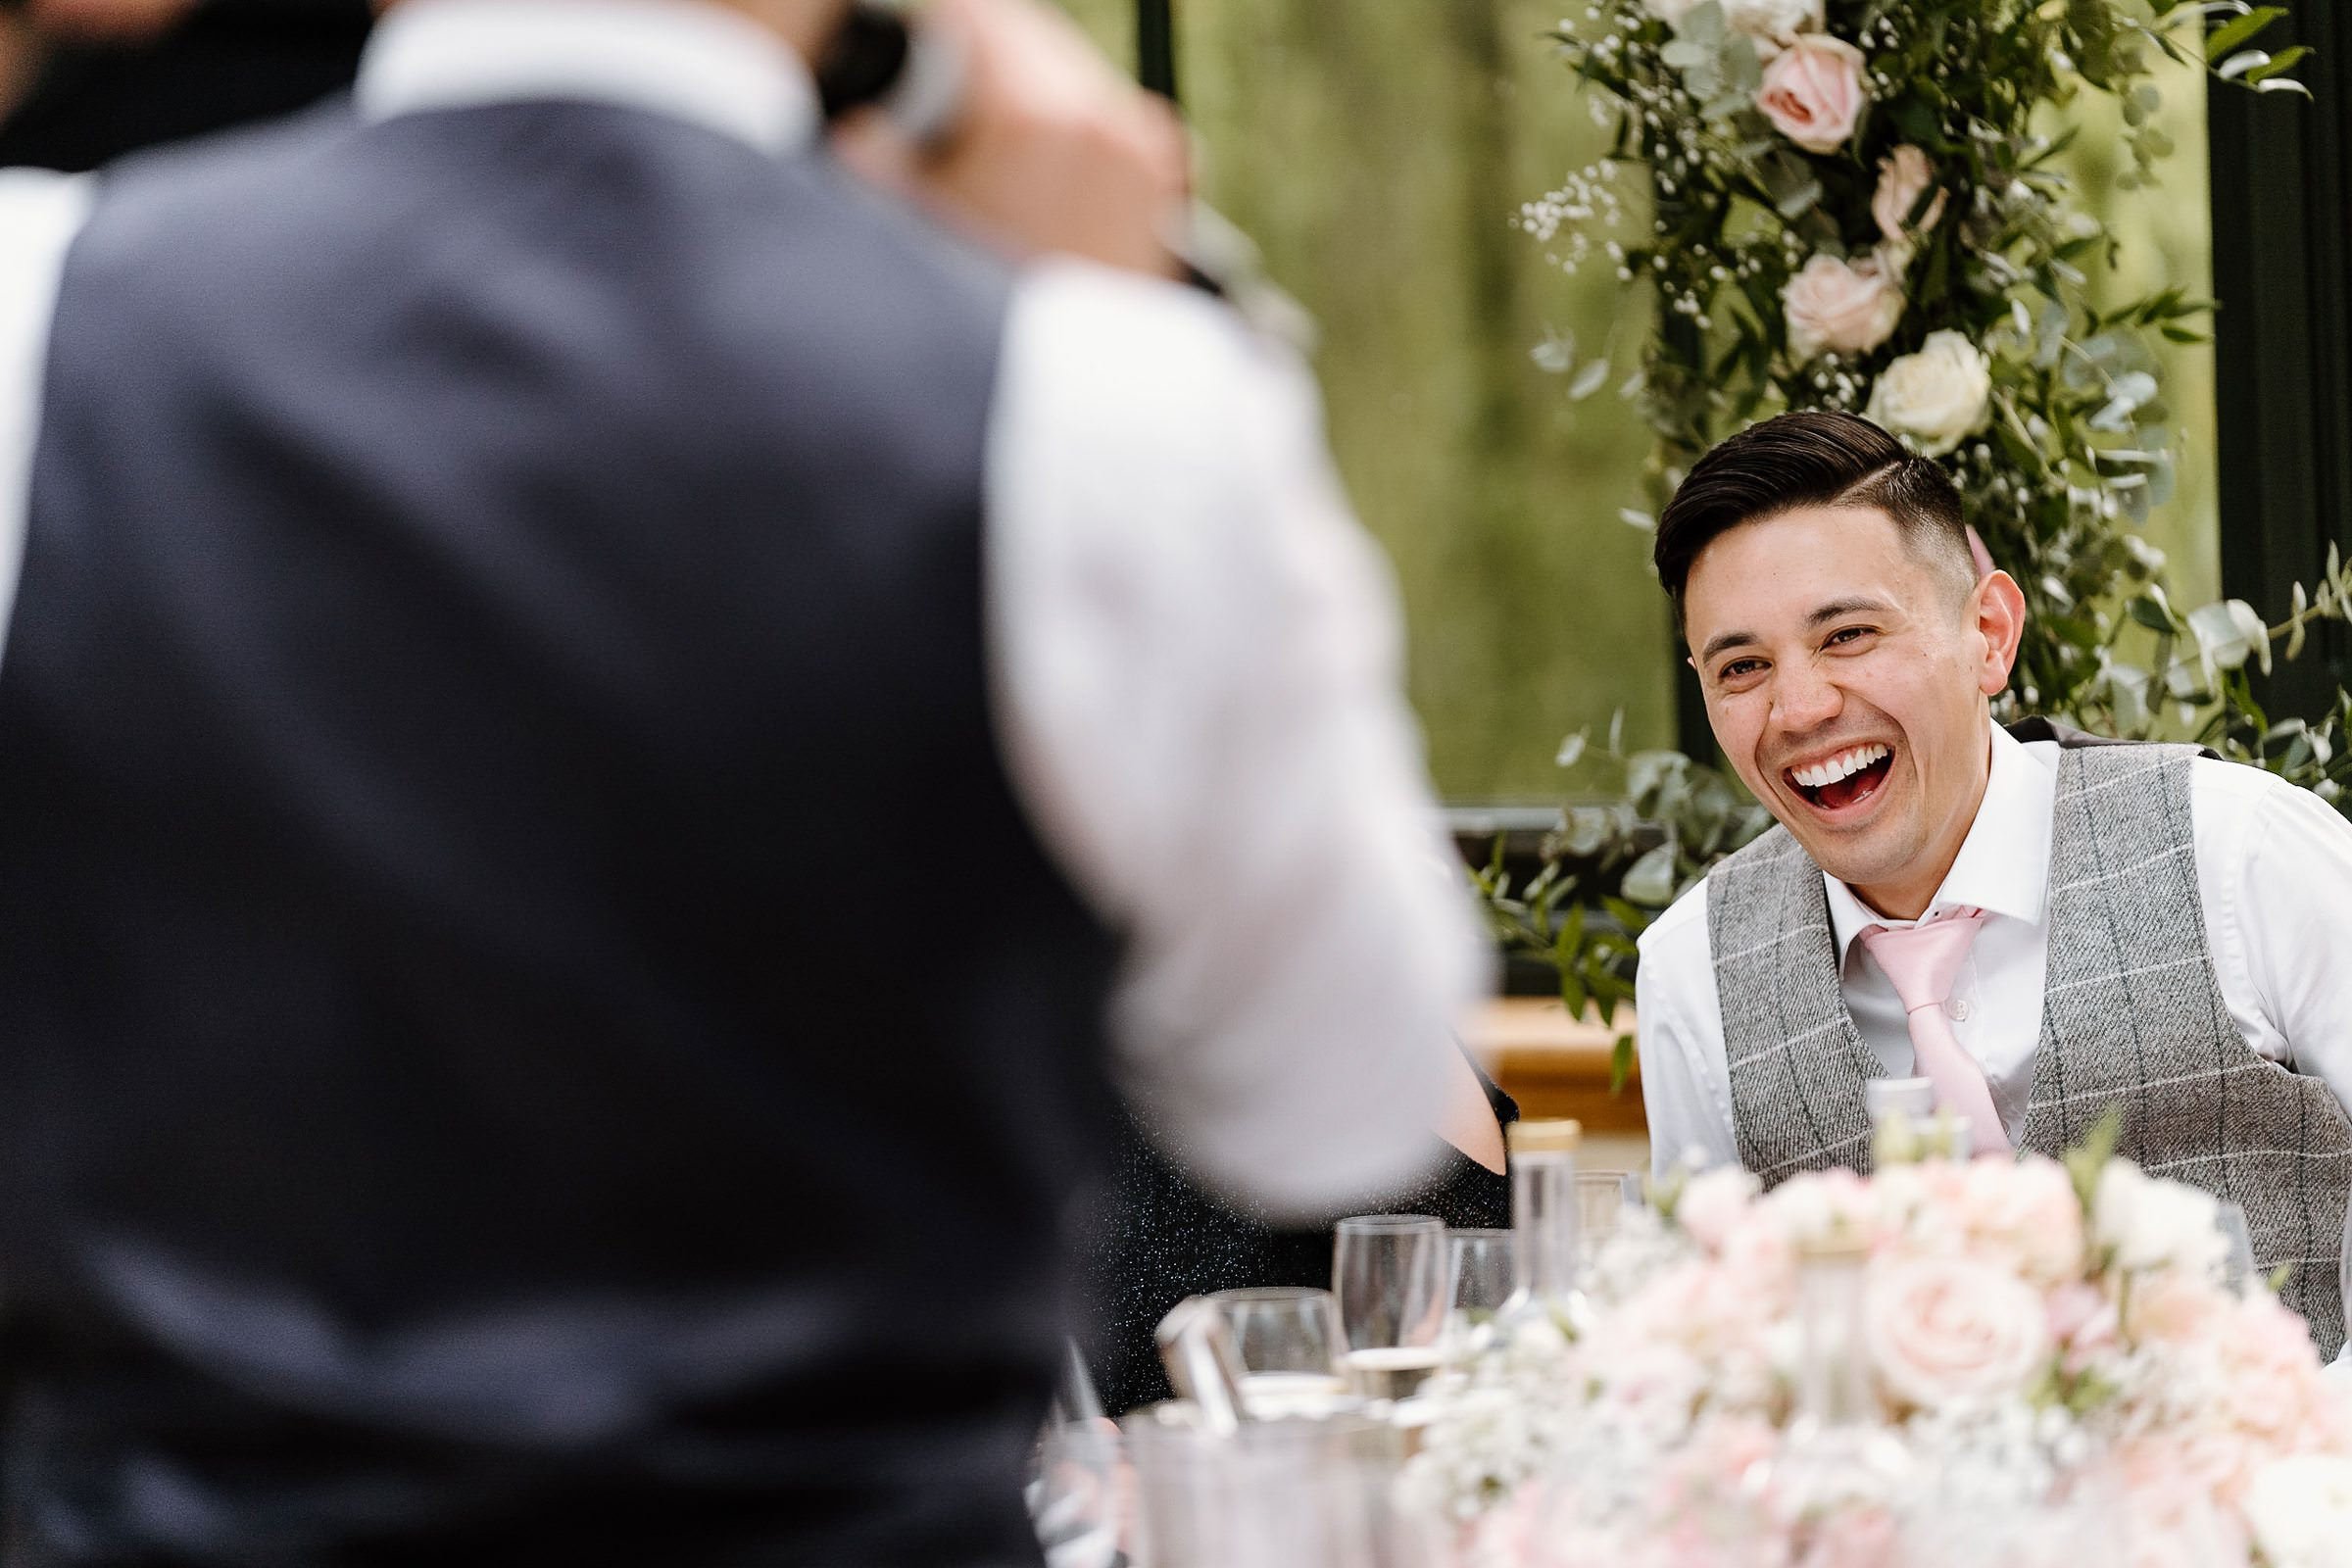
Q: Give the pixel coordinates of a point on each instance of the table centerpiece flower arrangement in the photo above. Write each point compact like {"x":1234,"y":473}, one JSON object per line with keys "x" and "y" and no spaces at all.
{"x":2031,"y":1365}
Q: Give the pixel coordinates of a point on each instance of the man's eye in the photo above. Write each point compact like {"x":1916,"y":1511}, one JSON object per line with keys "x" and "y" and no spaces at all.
{"x":1740,"y":668}
{"x":1848,"y":634}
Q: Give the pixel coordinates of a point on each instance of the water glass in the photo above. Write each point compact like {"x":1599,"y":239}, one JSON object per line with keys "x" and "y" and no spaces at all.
{"x":1075,"y":1493}
{"x":1273,"y":1494}
{"x":1601,"y":1197}
{"x":2238,"y":1260}
{"x":1291,"y":1346}
{"x":1478,"y":1267}
{"x":1389,"y":1273}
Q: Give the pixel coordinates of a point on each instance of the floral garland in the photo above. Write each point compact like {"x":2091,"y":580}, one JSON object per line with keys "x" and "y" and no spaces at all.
{"x":2049,"y":1351}
{"x":1855,"y":205}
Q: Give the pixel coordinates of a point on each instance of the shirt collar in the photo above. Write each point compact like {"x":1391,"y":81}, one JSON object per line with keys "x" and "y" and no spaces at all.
{"x":689,"y":58}
{"x":2005,"y":863}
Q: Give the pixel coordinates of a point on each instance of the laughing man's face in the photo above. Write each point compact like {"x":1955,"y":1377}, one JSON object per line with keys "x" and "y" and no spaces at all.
{"x":1847,"y":677}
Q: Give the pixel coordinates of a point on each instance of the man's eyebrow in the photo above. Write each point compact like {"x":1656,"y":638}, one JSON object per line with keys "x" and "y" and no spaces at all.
{"x":1846,"y":606}
{"x":1723,"y":641}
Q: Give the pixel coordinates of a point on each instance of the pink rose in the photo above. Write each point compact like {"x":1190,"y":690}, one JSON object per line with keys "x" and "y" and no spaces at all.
{"x":1812,"y":93}
{"x":1834,"y":307}
{"x":2174,"y":1309}
{"x":1945,"y":1329}
{"x":2083,"y":1320}
{"x":2271,"y":1385}
{"x":1714,"y":1205}
{"x":2164,"y":1503}
{"x":1904,"y":177}
{"x":2026,"y":1212}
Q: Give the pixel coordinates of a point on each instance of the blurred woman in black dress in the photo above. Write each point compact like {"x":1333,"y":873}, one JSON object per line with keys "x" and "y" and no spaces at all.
{"x":1164,"y":1238}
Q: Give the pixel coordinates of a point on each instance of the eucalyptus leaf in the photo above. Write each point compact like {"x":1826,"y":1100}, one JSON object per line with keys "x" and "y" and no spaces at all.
{"x":2224,"y":39}
{"x":2251,"y":628}
{"x":1743,"y":71}
{"x":2151,"y":609}
{"x":2128,"y":695}
{"x":1651,"y":879}
{"x":2221,"y":635}
{"x":1703,"y":24}
{"x":1654,"y":781}
{"x":1588,"y":829}
{"x":1621,"y":1063}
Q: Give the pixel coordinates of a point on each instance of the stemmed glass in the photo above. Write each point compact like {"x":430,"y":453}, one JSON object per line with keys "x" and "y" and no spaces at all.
{"x":1389,"y":1273}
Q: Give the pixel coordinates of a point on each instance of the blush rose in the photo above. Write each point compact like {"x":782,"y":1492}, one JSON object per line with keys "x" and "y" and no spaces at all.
{"x":1944,"y":1329}
{"x":1812,"y":93}
{"x":1835,"y":307}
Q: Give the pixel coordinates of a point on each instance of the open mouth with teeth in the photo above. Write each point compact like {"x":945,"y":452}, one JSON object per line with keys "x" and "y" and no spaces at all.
{"x":1849,"y":778}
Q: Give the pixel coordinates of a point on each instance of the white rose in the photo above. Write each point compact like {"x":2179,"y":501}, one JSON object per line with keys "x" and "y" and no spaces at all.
{"x":1937,"y":397}
{"x":1773,"y":24}
{"x":1904,"y":177}
{"x":2301,"y":1511}
{"x":1834,"y":307}
{"x":1945,"y":1329}
{"x":1670,"y":12}
{"x":2152,"y":1224}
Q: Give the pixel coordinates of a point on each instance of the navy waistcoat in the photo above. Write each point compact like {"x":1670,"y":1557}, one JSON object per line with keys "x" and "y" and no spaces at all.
{"x":487,"y":1073}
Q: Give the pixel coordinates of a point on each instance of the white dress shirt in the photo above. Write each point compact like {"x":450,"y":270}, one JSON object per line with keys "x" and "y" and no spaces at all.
{"x":2273,"y":878}
{"x":1195,"y":647}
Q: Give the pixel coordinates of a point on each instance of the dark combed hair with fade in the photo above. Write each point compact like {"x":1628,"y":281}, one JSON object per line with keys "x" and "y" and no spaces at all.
{"x":1809,"y":458}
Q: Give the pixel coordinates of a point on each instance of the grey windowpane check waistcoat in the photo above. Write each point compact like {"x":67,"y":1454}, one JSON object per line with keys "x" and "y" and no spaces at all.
{"x":2133,"y":1015}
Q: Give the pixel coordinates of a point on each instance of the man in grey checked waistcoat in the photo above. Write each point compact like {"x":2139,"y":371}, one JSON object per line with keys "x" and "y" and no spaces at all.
{"x":2046,"y":926}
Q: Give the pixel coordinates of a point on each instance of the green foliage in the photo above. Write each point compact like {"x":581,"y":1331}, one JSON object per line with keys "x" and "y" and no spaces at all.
{"x":2088,"y":1158}
{"x":2063,"y":442}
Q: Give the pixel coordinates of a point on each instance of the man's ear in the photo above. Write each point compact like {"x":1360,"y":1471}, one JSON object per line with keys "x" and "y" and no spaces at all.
{"x":1999,"y":607}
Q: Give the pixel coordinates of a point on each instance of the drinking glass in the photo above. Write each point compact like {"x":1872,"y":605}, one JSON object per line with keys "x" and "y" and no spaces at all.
{"x":2343,"y":1263}
{"x":1600,"y":1202}
{"x":1389,"y":1272}
{"x":1274,"y":1494}
{"x":1479,"y":1269}
{"x":1291,"y":1345}
{"x":1075,"y":1491}
{"x":2237,"y":1263}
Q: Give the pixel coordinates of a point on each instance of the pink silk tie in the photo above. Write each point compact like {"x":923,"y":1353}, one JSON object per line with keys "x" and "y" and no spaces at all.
{"x":1922,"y":961}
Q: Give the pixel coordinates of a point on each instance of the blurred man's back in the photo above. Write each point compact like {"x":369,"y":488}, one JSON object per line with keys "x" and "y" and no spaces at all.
{"x":503,"y":574}
{"x":379,"y":961}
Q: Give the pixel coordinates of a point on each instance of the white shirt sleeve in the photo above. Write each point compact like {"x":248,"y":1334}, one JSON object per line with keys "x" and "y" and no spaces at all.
{"x":1686,"y":1086}
{"x":39,"y":215}
{"x":1196,"y":664}
{"x":2275,"y":874}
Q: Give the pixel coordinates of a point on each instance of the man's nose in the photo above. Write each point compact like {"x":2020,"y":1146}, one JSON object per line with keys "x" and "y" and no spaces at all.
{"x":1803,"y":699}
